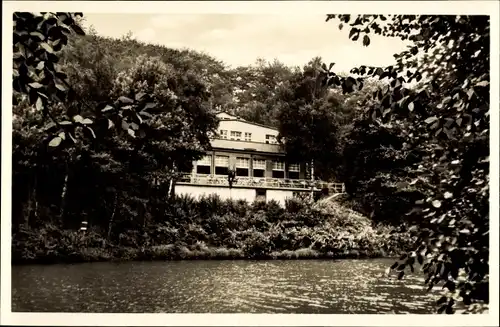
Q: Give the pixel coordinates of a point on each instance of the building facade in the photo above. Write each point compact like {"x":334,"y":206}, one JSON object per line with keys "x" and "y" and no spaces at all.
{"x":252,"y":151}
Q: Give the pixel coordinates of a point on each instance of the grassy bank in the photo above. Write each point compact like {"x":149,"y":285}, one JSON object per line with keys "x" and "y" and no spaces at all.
{"x":214,"y":229}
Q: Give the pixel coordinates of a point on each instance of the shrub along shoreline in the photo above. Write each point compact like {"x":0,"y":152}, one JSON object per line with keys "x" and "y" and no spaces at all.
{"x":211,"y":228}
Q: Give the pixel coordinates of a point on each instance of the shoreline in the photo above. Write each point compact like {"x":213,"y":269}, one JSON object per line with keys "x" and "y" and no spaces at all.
{"x":183,"y":253}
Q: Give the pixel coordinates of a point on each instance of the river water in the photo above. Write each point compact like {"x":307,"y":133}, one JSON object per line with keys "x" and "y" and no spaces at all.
{"x":300,"y":286}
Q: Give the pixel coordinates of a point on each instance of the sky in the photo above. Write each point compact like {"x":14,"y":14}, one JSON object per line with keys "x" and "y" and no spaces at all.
{"x":239,"y":39}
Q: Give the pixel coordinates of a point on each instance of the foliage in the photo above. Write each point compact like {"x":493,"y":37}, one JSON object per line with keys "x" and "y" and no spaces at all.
{"x":307,"y":121}
{"x":115,"y":142}
{"x":445,"y":118}
{"x":222,"y":229}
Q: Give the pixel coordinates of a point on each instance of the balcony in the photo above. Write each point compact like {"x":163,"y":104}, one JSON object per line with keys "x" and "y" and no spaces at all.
{"x":259,"y":182}
{"x":247,"y":146}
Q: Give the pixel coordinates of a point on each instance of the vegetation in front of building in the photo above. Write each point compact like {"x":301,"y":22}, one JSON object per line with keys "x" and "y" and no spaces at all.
{"x":211,"y":228}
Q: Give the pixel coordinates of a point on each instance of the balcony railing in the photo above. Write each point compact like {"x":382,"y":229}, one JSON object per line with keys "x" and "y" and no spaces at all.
{"x":243,"y":181}
{"x":247,"y":146}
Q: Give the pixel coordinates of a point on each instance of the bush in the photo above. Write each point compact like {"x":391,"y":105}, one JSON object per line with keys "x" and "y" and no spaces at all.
{"x":210,"y":228}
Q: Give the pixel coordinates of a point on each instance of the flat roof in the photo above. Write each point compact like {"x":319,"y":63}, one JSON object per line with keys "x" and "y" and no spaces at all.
{"x":237,"y":118}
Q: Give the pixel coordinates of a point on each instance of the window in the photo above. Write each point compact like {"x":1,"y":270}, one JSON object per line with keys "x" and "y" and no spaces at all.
{"x":242,"y":162}
{"x":221,"y":165}
{"x":278,"y":169}
{"x":235,"y":135}
{"x":248,"y":136}
{"x":221,"y":161}
{"x":223,"y":134}
{"x":259,"y":164}
{"x":259,"y":167}
{"x":278,"y":165}
{"x":242,"y":166}
{"x":294,"y":171}
{"x":205,"y":161}
{"x":270,"y":139}
{"x":294,"y":167}
{"x":203,"y":165}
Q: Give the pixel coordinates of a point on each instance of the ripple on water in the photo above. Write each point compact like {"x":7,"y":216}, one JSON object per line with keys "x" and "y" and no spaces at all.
{"x":313,"y":286}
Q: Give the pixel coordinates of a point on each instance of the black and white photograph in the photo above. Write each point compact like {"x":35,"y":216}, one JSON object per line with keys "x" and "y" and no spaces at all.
{"x":308,"y":158}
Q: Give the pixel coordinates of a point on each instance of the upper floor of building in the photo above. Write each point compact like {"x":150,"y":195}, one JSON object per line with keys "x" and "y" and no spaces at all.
{"x":234,"y":128}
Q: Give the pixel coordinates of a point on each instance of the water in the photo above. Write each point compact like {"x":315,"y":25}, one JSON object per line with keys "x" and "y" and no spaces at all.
{"x":311,"y":286}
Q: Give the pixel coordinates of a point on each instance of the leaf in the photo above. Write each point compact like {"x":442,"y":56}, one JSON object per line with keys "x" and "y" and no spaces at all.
{"x":401,"y":267}
{"x":448,"y":195}
{"x":394,"y":265}
{"x":123,"y":99}
{"x":353,"y":32}
{"x":39,"y":35}
{"x":91,"y":132}
{"x":61,"y":75}
{"x":139,"y":118}
{"x":341,"y":26}
{"x":78,"y":30}
{"x":107,"y":108}
{"x":366,"y":40}
{"x":420,"y":259}
{"x":87,"y":121}
{"x":442,"y":299}
{"x":450,"y":285}
{"x":442,"y":308}
{"x":411,"y":106}
{"x":42,"y":95}
{"x":401,"y":274}
{"x":39,"y":104}
{"x":131,"y":132}
{"x":47,"y":47}
{"x":35,"y":85}
{"x":149,"y":105}
{"x":55,"y":141}
{"x":65,"y":122}
{"x":110,"y":123}
{"x":470,"y":93}
{"x":139,"y":96}
{"x":62,"y":135}
{"x":431,"y":120}
{"x":449,"y":309}
{"x":60,"y":87}
{"x":72,"y":138}
{"x":50,"y":125}
{"x":436,"y":204}
{"x":483,"y":83}
{"x":78,"y":118}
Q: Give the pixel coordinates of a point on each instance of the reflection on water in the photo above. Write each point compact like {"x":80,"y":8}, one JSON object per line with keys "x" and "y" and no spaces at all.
{"x":312,"y":286}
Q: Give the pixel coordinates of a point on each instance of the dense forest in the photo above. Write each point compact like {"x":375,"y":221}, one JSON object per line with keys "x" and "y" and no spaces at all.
{"x":102,"y":126}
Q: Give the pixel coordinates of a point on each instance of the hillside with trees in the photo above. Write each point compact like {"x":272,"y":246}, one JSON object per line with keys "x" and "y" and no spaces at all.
{"x":103,"y":127}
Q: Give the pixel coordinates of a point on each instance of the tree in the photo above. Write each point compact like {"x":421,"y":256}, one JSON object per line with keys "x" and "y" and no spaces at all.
{"x":126,"y":128}
{"x":446,"y":118}
{"x":255,"y":90}
{"x":307,"y":121}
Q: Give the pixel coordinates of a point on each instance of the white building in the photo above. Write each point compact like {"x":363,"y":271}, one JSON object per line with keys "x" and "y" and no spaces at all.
{"x":252,"y":151}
